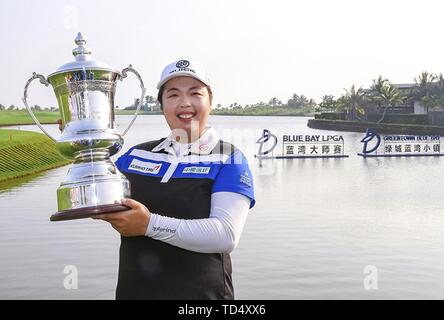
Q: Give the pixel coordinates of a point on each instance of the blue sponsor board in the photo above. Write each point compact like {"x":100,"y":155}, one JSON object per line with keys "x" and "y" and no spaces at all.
{"x":376,"y":145}
{"x":300,"y":146}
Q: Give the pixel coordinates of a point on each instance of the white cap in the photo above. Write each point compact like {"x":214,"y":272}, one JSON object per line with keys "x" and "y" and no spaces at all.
{"x":184,"y":68}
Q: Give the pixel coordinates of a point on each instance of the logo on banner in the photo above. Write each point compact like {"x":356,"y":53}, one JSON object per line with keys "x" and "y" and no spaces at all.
{"x":371,"y":137}
{"x":266,"y":137}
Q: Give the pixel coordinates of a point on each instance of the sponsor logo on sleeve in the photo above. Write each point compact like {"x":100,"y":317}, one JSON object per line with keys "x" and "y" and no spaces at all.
{"x":145,"y":167}
{"x":245,"y":178}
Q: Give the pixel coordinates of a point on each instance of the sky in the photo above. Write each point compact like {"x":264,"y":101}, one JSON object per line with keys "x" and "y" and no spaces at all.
{"x":253,"y":50}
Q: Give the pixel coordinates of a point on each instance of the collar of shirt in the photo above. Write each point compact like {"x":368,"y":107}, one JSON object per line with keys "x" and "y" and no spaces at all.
{"x":204,"y":145}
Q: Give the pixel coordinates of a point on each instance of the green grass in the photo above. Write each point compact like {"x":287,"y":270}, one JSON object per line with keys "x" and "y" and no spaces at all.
{"x":16,"y":117}
{"x":25,"y":153}
{"x":18,"y":137}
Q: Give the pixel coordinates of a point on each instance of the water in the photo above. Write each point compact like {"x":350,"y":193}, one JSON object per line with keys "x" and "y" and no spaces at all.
{"x":317,"y":224}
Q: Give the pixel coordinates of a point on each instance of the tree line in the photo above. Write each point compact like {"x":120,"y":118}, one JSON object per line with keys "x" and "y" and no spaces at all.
{"x":358,"y":103}
{"x":36,"y":108}
{"x":150,"y":103}
{"x":299,"y":102}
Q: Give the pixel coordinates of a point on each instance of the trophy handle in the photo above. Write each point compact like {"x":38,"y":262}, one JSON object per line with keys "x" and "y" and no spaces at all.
{"x":25,"y":97}
{"x":124,"y":75}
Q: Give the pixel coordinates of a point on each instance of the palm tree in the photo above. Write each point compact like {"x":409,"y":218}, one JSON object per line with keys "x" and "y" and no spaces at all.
{"x":440,"y":80}
{"x":311,"y":105}
{"x":439,"y":90}
{"x":389,"y":96}
{"x":384,"y":94}
{"x":375,"y":93}
{"x":425,"y":79}
{"x":295,"y":101}
{"x":328,"y":103}
{"x":274,"y":101}
{"x":352,"y":100}
{"x":377,"y":87}
{"x":425,"y":89}
{"x":303,"y":100}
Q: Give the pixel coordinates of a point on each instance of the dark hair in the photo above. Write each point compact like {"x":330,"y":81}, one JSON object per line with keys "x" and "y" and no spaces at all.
{"x":162,"y":88}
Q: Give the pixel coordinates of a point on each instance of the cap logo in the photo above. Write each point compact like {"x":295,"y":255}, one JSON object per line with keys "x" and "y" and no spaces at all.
{"x":182,"y":64}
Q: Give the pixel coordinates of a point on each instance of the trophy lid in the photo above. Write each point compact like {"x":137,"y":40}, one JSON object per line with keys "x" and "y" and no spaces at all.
{"x":83,"y":59}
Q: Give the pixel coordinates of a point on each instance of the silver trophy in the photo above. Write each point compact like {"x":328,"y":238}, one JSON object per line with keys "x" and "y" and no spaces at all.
{"x":85,"y":94}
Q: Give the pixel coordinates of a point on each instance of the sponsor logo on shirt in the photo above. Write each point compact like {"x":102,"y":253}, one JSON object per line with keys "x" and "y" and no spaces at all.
{"x":203,"y":147}
{"x":199,"y":170}
{"x":245,"y":179}
{"x":145,"y":167}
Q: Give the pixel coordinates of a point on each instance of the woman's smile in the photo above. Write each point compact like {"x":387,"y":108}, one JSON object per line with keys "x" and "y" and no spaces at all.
{"x":186,"y":116}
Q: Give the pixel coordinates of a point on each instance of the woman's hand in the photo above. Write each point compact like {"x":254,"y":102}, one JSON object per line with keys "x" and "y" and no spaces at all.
{"x":133,"y":222}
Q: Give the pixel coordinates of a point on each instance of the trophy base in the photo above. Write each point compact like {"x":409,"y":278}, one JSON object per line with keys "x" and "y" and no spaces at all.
{"x":88,"y":212}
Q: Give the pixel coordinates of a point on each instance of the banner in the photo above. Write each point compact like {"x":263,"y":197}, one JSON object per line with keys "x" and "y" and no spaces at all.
{"x":300,"y":146}
{"x":376,"y":145}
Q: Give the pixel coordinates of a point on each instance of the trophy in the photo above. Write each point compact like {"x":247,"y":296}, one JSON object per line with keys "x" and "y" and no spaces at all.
{"x":85,"y":91}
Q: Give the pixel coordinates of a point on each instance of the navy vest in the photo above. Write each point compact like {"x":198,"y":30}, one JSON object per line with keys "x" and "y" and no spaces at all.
{"x":152,"y":269}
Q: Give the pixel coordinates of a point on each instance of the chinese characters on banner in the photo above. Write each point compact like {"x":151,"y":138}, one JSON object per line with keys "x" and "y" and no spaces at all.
{"x":411,"y":145}
{"x":300,"y":146}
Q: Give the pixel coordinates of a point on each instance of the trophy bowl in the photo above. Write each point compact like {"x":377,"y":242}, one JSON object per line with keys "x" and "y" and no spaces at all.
{"x":85,"y":91}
